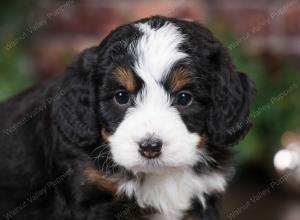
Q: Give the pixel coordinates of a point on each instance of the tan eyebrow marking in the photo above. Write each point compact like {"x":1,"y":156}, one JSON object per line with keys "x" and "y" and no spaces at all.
{"x":179,"y":79}
{"x":126,"y":78}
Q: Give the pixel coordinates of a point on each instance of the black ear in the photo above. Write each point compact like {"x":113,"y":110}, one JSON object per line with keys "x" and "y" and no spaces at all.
{"x":232,"y":95}
{"x":74,"y":112}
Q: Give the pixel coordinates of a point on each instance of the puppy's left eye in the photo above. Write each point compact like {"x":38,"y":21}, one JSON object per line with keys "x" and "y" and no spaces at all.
{"x":184,"y":98}
{"x":122,"y":97}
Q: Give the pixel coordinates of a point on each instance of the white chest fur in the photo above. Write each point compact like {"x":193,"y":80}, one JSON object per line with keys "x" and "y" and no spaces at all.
{"x":171,"y":192}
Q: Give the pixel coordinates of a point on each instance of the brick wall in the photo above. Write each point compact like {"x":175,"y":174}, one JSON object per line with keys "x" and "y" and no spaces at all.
{"x":66,"y":27}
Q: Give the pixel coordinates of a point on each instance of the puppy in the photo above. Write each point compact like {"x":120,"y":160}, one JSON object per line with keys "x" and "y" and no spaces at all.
{"x":140,"y":127}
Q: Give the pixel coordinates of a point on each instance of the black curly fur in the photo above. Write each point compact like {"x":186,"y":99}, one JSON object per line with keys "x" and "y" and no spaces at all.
{"x":50,"y":131}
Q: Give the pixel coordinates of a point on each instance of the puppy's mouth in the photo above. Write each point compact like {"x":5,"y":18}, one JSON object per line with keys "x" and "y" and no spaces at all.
{"x":152,"y":165}
{"x":148,"y":163}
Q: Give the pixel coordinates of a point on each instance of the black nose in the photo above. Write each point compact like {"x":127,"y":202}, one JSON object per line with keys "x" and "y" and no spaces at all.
{"x":150,"y":147}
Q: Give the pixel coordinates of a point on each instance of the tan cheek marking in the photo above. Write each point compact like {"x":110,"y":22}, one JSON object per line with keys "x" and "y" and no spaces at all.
{"x":203,"y":141}
{"x":191,"y":217}
{"x":179,"y":79}
{"x":105,"y":135}
{"x":125,"y":78}
{"x":95,"y":177}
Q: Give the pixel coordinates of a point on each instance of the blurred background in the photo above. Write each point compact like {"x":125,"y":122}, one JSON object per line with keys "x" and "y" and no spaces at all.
{"x":39,"y":38}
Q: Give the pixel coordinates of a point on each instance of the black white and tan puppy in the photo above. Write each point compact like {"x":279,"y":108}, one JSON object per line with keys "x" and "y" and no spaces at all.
{"x":140,"y":127}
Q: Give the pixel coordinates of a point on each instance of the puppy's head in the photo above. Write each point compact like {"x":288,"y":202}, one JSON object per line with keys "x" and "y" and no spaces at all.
{"x":168,"y":95}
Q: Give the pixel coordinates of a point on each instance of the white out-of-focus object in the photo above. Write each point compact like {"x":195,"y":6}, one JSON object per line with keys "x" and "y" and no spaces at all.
{"x":286,"y":159}
{"x":287,"y":162}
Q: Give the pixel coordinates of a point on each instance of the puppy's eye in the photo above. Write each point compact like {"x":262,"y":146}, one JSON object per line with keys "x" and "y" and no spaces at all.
{"x":184,"y":98}
{"x":122,"y":97}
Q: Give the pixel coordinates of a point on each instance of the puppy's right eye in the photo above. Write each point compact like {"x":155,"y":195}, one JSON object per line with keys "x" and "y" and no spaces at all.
{"x":122,"y":97}
{"x":184,"y":98}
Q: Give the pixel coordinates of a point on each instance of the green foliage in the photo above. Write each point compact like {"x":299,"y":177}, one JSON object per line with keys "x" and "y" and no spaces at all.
{"x":14,"y":73}
{"x":277,"y":104}
{"x":14,"y":76}
{"x":275,"y":111}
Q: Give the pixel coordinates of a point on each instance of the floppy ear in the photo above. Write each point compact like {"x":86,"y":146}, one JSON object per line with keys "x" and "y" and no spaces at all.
{"x":228,"y":120}
{"x":74,"y":112}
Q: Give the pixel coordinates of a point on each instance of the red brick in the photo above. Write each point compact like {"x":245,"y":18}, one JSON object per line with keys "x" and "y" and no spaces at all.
{"x":292,"y":22}
{"x":180,"y":9}
{"x":86,"y":19}
{"x":255,"y":22}
{"x":51,"y":56}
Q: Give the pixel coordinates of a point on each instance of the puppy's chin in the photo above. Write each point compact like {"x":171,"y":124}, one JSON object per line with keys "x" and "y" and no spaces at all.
{"x":153,"y":166}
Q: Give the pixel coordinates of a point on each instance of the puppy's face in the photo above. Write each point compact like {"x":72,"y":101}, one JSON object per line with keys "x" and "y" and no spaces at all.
{"x":152,"y":133}
{"x":157,"y":93}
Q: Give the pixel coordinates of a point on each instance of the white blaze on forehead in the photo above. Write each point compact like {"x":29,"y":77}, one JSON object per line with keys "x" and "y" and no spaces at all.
{"x":157,"y":51}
